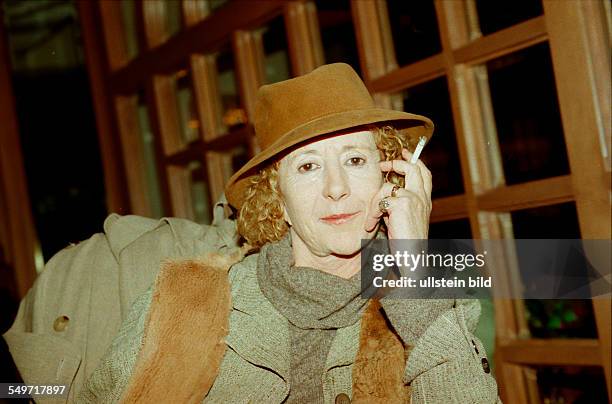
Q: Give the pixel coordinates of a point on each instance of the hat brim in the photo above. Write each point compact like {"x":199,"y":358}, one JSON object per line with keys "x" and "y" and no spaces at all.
{"x":411,"y":126}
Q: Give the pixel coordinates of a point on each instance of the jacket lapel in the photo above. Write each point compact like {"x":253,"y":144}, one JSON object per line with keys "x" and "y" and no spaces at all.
{"x":258,"y":332}
{"x":344,"y":347}
{"x":261,"y":340}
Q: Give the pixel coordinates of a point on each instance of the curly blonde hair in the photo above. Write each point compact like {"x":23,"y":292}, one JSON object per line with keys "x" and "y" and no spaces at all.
{"x":261,"y":219}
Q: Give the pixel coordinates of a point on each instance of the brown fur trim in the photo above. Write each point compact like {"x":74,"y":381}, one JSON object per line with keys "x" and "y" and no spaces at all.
{"x":380,"y":362}
{"x":182,"y":349}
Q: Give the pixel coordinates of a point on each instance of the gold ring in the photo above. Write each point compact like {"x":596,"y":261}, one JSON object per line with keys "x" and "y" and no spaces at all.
{"x":383,"y":205}
{"x":394,"y":191}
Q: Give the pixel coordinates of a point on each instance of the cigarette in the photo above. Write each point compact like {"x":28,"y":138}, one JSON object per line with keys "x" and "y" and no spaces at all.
{"x":418,"y":150}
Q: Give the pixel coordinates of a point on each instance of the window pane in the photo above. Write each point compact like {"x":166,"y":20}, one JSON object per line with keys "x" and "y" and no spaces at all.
{"x":186,"y":108}
{"x":524,"y":99}
{"x":128,"y":13}
{"x":277,"y":63}
{"x":560,"y":318}
{"x":240,"y":156}
{"x":441,"y":154}
{"x":215,"y":4}
{"x":234,"y":160}
{"x":415,"y":30}
{"x":569,"y":384}
{"x":173,"y":17}
{"x":337,"y":32}
{"x":197,"y":10}
{"x":148,"y":146}
{"x":200,"y":195}
{"x":496,"y":15}
{"x":231,"y":110}
{"x":554,"y":221}
{"x":458,"y":229}
{"x":57,"y":131}
{"x":554,"y":318}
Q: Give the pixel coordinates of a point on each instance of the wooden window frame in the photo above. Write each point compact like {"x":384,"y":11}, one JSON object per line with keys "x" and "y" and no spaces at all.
{"x":487,"y":200}
{"x":578,"y":54}
{"x":151,"y":70}
{"x":18,"y":238}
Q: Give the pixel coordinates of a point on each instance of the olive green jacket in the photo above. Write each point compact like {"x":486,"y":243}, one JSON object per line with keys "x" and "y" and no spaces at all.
{"x":255,"y":367}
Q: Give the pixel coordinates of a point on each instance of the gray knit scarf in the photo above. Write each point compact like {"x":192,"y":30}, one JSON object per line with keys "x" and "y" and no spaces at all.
{"x":307,"y":297}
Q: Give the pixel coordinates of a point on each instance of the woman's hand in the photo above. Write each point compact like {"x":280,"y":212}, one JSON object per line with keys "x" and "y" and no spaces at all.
{"x":407,"y":216}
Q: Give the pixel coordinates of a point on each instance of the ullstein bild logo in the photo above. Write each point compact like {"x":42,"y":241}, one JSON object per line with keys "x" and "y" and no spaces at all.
{"x":432,"y":282}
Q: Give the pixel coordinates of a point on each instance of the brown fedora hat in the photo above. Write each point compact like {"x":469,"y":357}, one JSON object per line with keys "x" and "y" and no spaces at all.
{"x":331,"y":98}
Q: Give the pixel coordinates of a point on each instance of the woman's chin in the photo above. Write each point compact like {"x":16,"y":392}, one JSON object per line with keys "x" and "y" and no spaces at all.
{"x":345,"y":247}
{"x":346,"y":244}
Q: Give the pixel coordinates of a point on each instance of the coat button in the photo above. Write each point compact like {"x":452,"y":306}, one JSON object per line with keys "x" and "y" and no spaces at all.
{"x":60,"y":323}
{"x":342,"y":399}
{"x":485,"y":365}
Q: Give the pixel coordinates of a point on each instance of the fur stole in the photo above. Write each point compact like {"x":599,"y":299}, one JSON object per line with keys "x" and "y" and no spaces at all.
{"x":170,"y":364}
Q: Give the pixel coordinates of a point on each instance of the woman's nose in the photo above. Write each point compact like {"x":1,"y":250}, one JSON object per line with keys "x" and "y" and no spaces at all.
{"x":336,"y":184}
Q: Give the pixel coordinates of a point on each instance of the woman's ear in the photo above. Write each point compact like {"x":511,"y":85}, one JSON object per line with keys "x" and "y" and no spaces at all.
{"x":282,"y":198}
{"x":286,"y":216}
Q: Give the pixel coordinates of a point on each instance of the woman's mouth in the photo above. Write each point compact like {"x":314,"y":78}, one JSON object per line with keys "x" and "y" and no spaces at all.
{"x":339,"y":219}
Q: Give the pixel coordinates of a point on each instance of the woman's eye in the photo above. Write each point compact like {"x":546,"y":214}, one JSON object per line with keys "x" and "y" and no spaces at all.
{"x":307,"y":167}
{"x":356,"y":161}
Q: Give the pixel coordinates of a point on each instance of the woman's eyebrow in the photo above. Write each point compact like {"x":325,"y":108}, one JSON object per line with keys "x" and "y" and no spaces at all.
{"x":344,"y":149}
{"x":302,"y":152}
{"x":357,"y":146}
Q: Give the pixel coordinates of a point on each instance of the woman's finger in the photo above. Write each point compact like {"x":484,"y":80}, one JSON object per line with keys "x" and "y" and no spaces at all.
{"x":374,"y":213}
{"x":427,"y":179}
{"x":408,"y":216}
{"x":413,"y":180}
{"x":403,"y":195}
{"x":425,"y":173}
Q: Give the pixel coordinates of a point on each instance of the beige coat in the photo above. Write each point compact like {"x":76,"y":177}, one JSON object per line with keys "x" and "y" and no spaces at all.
{"x":72,"y":313}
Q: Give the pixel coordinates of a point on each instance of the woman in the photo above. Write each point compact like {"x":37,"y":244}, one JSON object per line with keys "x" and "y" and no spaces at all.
{"x":288,"y":324}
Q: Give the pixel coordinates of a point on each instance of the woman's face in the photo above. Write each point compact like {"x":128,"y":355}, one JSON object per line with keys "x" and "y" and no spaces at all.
{"x":327,"y":186}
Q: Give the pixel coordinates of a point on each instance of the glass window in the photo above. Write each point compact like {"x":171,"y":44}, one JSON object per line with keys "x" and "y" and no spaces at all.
{"x":200,"y":195}
{"x":554,"y":318}
{"x":128,"y":13}
{"x":569,"y":384}
{"x":173,"y":16}
{"x":496,"y":15}
{"x":215,"y":4}
{"x":150,"y":159}
{"x":197,"y":10}
{"x":231,"y":109}
{"x":527,"y":117}
{"x":441,"y":154}
{"x":277,"y":64}
{"x":234,"y":160}
{"x":554,"y":221}
{"x":457,"y":229}
{"x":560,"y":318}
{"x":54,"y":111}
{"x":188,"y":118}
{"x":415,"y":30}
{"x":338,"y":32}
